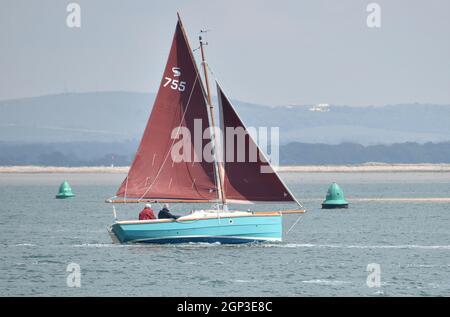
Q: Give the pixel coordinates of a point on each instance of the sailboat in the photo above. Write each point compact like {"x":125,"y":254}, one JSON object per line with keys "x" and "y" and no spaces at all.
{"x":157,"y":176}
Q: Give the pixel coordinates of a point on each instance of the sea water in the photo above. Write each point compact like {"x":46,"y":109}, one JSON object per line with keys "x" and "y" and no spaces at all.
{"x":374,"y":248}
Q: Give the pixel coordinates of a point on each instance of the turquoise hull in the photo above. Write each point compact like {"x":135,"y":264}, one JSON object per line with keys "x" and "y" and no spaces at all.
{"x":242,"y":229}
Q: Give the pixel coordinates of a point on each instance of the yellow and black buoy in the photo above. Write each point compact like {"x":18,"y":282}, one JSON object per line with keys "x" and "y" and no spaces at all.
{"x":335,"y":198}
{"x":65,"y":191}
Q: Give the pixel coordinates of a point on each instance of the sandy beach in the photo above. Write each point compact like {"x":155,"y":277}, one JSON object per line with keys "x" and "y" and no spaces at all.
{"x":368,"y":167}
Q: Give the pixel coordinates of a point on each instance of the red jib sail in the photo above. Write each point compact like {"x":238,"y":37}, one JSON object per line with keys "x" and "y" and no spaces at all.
{"x":251,"y":178}
{"x":154,"y":173}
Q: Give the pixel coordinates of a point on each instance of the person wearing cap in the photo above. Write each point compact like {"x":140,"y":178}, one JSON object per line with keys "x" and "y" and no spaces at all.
{"x":147,"y":213}
{"x":165,"y":213}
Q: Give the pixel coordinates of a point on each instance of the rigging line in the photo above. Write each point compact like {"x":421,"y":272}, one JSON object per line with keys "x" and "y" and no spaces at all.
{"x":114,"y":212}
{"x":214,"y":75}
{"x":298,"y":219}
{"x":126,"y":187}
{"x":173,"y":141}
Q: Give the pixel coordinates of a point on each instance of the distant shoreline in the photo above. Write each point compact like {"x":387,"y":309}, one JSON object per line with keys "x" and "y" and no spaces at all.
{"x":368,"y":167}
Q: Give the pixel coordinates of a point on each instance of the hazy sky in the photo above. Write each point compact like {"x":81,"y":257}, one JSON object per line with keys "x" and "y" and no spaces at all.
{"x":268,"y":52}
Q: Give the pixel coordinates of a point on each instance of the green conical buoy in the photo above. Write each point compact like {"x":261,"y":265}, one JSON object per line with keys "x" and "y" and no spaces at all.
{"x":335,"y":198}
{"x":65,"y":191}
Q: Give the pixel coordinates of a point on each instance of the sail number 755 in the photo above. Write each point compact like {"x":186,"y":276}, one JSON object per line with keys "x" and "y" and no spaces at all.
{"x":175,"y":84}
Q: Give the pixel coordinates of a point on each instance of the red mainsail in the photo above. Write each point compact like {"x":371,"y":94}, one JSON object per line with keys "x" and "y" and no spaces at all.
{"x":244,"y":180}
{"x":154,"y":174}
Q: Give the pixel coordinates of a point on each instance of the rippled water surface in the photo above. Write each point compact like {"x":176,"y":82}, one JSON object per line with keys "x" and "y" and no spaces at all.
{"x":326,"y":253}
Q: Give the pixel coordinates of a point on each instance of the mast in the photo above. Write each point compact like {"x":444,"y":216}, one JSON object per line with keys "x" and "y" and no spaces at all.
{"x":217,"y":165}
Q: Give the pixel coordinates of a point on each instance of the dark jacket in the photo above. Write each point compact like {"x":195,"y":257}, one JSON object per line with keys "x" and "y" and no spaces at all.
{"x":165,"y":214}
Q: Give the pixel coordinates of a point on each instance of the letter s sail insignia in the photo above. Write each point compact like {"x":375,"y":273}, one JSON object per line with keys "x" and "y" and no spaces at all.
{"x":176,"y":71}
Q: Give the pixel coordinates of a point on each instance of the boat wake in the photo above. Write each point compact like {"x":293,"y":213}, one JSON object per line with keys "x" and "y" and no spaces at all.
{"x":264,"y":245}
{"x":326,"y":282}
{"x":145,"y":245}
{"x":244,"y":281}
{"x":349,"y":246}
{"x":100,"y":245}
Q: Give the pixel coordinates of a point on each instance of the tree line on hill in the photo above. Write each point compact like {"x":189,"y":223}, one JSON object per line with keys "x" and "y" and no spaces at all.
{"x":121,"y":153}
{"x":351,"y":153}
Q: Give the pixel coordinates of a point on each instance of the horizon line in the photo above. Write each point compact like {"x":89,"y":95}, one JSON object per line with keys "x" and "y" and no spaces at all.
{"x":50,"y":94}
